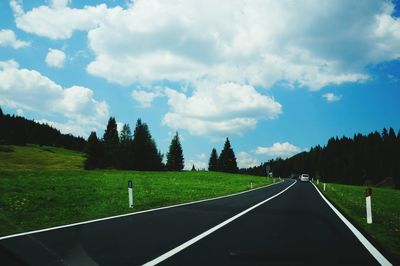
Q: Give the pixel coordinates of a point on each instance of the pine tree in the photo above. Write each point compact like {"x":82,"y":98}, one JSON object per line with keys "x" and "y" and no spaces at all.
{"x":175,"y":160}
{"x":94,"y":152}
{"x":146,"y":155}
{"x":213,"y":161}
{"x":227,"y":160}
{"x":111,"y":143}
{"x":193,"y":168}
{"x":125,"y":154}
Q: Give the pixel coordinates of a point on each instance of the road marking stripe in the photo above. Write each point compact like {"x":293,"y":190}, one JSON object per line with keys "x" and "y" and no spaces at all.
{"x":374,"y":251}
{"x":209,"y":231}
{"x":132,"y":213}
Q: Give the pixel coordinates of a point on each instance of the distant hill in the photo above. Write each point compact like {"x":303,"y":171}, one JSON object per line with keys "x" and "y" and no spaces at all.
{"x":35,"y":157}
{"x":17,"y":130}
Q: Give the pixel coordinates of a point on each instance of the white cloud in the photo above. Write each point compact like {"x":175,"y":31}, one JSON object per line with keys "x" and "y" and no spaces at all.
{"x":226,"y":109}
{"x":243,"y":42}
{"x":120,"y":125}
{"x":245,"y":160}
{"x":58,"y":21}
{"x":201,"y":156}
{"x":278,"y":149}
{"x":8,"y":38}
{"x":55,"y":58}
{"x":199,"y":165}
{"x":67,"y":127}
{"x":59,"y":3}
{"x":264,"y":42}
{"x":29,"y":90}
{"x":330,"y":97}
{"x":146,"y":98}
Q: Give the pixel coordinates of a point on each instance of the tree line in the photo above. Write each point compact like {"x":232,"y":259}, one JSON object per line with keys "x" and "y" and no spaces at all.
{"x":17,"y":130}
{"x":137,"y":151}
{"x":225,"y":162}
{"x":363,"y":159}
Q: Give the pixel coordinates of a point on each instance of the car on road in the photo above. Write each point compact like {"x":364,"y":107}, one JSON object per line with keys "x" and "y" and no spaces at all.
{"x":304,"y":177}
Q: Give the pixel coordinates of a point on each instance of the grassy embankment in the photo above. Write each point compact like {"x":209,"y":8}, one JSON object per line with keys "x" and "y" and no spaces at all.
{"x":385,"y":211}
{"x":44,"y":186}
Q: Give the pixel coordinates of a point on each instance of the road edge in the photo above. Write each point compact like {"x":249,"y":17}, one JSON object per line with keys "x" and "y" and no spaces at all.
{"x":379,"y":257}
{"x":131,"y":213}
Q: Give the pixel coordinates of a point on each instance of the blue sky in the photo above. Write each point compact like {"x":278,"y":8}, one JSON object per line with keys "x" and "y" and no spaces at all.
{"x":275,"y":77}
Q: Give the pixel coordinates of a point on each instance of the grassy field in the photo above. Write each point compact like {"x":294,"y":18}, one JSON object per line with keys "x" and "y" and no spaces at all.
{"x":34,"y":157}
{"x":34,"y":195}
{"x":385,"y":211}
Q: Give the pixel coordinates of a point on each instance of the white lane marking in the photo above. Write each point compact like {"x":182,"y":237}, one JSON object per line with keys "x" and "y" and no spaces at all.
{"x":209,"y":231}
{"x":374,"y":252}
{"x":132,"y":213}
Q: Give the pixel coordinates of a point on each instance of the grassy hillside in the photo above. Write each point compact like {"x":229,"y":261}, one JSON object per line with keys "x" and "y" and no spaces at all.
{"x":42,"y":187}
{"x":35,"y":157}
{"x":385,"y":211}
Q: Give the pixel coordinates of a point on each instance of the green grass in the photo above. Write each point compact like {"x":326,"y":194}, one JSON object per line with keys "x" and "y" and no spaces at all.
{"x":385,"y":211}
{"x":45,"y":186}
{"x":34,"y":157}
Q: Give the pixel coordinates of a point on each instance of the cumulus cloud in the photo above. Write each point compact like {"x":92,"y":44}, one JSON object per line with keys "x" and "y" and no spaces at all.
{"x":146,"y":98}
{"x":55,"y":58}
{"x":264,"y":41}
{"x":199,"y":165}
{"x":29,"y":90}
{"x":243,"y":42}
{"x":245,"y":160}
{"x":58,"y":21}
{"x":331,"y":97}
{"x":8,"y":38}
{"x":278,"y":149}
{"x":226,"y":109}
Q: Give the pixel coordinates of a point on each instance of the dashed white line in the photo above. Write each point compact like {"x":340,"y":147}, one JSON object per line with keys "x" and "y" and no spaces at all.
{"x":209,"y":231}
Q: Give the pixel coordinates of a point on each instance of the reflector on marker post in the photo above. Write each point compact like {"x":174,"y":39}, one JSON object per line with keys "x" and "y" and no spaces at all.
{"x":130,"y":193}
{"x":368,"y":193}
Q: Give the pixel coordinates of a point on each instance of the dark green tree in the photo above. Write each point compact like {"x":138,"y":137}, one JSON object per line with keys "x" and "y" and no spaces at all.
{"x":175,"y":160}
{"x":126,"y":153}
{"x":94,"y":152}
{"x":17,"y":130}
{"x":227,"y":160}
{"x":146,"y":155}
{"x":193,"y":168}
{"x":213,"y":161}
{"x":111,"y":144}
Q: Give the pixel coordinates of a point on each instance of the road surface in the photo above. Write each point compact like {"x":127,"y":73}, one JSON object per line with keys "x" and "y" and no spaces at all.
{"x":284,"y":224}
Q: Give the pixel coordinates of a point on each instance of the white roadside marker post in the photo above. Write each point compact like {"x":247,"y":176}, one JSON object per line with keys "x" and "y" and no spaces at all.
{"x":368,"y":193}
{"x":324,"y":186}
{"x":130,"y":193}
{"x":317,"y":182}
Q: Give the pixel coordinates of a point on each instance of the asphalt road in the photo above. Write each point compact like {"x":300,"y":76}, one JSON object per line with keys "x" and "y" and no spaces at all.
{"x":294,"y":228}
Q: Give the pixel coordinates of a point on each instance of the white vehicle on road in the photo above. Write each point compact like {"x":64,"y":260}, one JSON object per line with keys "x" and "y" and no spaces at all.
{"x":304,"y":177}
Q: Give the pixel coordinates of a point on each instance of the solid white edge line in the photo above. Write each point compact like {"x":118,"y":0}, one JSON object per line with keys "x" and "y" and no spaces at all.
{"x":132,"y":213}
{"x":374,"y":251}
{"x":209,"y":231}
